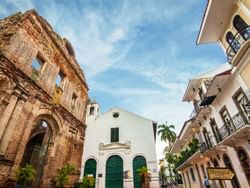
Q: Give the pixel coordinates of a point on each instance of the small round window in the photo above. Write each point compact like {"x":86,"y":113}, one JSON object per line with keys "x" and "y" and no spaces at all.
{"x":115,"y":115}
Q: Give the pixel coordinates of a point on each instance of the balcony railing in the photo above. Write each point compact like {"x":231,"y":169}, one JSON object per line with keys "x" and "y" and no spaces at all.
{"x":238,"y":121}
{"x":204,"y":146}
{"x":238,"y":40}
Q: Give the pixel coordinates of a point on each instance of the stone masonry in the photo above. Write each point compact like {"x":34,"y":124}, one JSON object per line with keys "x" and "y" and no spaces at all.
{"x":41,"y":84}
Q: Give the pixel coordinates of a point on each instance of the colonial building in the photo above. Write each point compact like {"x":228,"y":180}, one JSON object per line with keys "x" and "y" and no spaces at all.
{"x":118,"y":143}
{"x":43,"y":97}
{"x":219,"y":123}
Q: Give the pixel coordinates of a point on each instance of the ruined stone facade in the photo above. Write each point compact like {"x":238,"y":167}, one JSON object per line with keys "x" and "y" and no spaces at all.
{"x":43,"y":98}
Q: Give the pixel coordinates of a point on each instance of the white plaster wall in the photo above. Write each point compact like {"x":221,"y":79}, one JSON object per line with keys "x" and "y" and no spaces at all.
{"x":133,"y":129}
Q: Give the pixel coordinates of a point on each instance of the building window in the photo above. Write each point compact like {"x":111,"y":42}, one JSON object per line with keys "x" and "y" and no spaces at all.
{"x":115,"y":134}
{"x":192,"y":174}
{"x":91,"y":110}
{"x":244,"y":161}
{"x":37,"y":63}
{"x":233,"y":42}
{"x":227,"y":121}
{"x":59,"y":78}
{"x":73,"y":101}
{"x":242,"y":27}
{"x":241,"y":101}
{"x":215,"y":130}
{"x":115,"y":114}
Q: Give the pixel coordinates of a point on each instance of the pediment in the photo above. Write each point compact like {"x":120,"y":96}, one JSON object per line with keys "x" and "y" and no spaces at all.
{"x":114,"y":146}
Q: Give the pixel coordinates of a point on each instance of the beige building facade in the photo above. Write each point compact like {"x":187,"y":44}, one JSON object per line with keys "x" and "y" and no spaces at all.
{"x":43,"y":98}
{"x":220,"y":121}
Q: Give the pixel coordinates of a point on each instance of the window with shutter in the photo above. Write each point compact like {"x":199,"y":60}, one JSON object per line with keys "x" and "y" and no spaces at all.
{"x":114,"y":134}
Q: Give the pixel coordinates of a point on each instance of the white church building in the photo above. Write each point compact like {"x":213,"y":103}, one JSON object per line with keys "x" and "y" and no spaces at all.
{"x":117,"y":143}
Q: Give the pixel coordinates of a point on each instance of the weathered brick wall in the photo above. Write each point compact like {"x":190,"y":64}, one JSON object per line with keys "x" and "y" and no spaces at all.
{"x":25,"y":100}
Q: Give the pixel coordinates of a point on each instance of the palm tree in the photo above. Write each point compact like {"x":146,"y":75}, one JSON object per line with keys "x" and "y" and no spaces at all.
{"x":166,"y":133}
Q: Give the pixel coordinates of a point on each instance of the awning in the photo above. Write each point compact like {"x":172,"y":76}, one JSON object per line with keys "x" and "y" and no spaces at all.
{"x":207,"y":100}
{"x":217,"y":83}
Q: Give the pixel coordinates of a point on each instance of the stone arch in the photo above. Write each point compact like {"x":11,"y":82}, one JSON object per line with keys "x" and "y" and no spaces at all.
{"x":53,"y":125}
{"x":139,"y":154}
{"x":50,"y":116}
{"x":38,"y":147}
{"x":92,"y":157}
{"x":112,"y":154}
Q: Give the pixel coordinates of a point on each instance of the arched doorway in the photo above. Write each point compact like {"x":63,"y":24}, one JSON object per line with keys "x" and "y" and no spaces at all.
{"x":138,"y":162}
{"x":114,"y":172}
{"x":36,"y":149}
{"x":244,"y":161}
{"x":90,"y":168}
{"x":228,"y":164}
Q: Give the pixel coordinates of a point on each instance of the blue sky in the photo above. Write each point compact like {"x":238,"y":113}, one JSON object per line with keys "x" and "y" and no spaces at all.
{"x":136,"y":54}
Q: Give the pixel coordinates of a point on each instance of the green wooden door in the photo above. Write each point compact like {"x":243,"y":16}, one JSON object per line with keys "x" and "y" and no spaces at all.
{"x":90,"y":167}
{"x":138,"y":162}
{"x":114,"y":172}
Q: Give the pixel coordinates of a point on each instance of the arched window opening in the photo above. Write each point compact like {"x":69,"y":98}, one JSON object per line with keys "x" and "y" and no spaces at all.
{"x":228,"y":164}
{"x":244,"y":161}
{"x":242,"y":27}
{"x":192,"y":174}
{"x":36,"y":149}
{"x":232,"y":41}
{"x":138,"y":162}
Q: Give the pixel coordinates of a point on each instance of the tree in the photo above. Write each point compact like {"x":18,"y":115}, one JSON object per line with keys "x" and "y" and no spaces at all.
{"x":26,"y":175}
{"x":144,"y":176}
{"x":63,"y":175}
{"x":166,"y":133}
{"x":170,"y":158}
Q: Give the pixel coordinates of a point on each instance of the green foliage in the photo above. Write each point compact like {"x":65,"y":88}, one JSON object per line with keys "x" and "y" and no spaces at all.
{"x":171,"y":158}
{"x":26,"y":175}
{"x":88,"y":182}
{"x":166,"y":133}
{"x":185,"y":154}
{"x":62,"y":176}
{"x":143,"y":173}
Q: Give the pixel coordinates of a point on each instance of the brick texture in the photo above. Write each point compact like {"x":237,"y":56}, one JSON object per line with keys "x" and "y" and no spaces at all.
{"x":27,"y":97}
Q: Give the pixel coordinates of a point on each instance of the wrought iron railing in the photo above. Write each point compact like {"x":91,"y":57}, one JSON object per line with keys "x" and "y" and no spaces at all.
{"x":238,"y":40}
{"x":231,"y":126}
{"x":205,"y":146}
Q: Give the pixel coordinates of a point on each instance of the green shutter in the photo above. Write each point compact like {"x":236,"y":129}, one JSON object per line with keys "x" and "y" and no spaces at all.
{"x":114,"y":172}
{"x":114,"y":134}
{"x":90,"y":167}
{"x":138,"y":162}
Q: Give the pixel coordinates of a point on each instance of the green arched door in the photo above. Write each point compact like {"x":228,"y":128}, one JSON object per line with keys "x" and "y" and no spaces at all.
{"x":114,"y":172}
{"x":138,"y":162}
{"x":90,"y":167}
